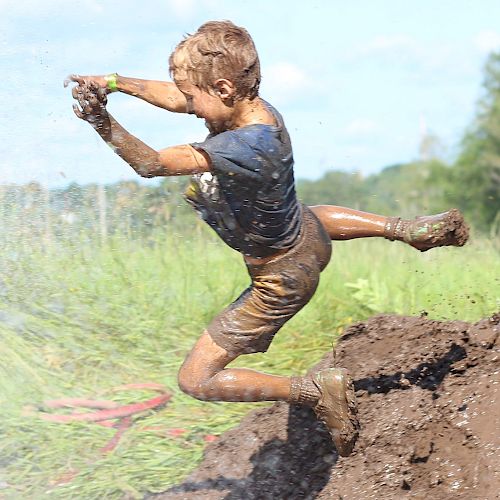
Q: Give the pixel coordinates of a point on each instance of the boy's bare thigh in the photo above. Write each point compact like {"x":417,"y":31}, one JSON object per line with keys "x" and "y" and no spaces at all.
{"x":279,"y":289}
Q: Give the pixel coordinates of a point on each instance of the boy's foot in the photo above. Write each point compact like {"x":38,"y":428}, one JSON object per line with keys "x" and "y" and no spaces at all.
{"x":337,"y":408}
{"x":426,"y":232}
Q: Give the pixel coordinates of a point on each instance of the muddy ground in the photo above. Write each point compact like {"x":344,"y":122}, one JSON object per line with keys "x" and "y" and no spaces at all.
{"x":430,"y":415}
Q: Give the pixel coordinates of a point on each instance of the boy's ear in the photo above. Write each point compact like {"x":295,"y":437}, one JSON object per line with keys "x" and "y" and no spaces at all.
{"x":224,"y":89}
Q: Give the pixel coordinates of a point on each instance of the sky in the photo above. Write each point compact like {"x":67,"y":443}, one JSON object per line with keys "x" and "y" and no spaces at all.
{"x":358,"y":82}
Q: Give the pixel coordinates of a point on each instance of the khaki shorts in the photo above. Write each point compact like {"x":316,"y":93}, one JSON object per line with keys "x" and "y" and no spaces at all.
{"x":280,"y":288}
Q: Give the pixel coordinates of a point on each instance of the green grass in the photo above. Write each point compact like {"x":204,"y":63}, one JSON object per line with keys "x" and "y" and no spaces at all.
{"x":77,"y":319}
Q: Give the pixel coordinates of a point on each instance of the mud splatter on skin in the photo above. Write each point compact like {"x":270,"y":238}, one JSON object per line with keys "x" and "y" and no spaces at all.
{"x":428,"y":396}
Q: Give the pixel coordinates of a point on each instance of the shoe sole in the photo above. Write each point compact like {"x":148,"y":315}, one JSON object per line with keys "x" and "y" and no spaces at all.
{"x":337,"y":408}
{"x":448,"y":229}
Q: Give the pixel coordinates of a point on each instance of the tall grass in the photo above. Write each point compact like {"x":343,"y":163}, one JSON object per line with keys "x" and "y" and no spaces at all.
{"x":79,"y":318}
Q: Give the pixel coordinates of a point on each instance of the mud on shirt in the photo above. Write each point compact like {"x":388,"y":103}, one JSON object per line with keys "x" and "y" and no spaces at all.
{"x":249,"y":196}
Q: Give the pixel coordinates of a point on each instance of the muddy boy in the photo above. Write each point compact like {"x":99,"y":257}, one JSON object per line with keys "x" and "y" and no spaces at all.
{"x":242,"y":185}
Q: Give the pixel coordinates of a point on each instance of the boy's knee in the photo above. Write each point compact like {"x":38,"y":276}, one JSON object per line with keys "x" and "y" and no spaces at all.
{"x":192,"y":385}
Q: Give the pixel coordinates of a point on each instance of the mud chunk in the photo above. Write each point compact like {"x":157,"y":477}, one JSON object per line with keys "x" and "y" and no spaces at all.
{"x":428,"y":396}
{"x":485,"y":333}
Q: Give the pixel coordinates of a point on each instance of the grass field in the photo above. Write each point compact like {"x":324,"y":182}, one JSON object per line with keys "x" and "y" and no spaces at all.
{"x":77,"y":319}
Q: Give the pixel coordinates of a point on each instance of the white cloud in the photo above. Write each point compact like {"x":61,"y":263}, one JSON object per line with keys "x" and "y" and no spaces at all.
{"x":384,"y":44}
{"x":289,"y":75}
{"x":395,"y":42}
{"x":393,"y":50}
{"x":189,"y":9}
{"x":285,"y":80}
{"x":487,"y":41}
{"x":35,"y":7}
{"x":424,"y":60}
{"x":182,"y":8}
{"x":361,"y":126}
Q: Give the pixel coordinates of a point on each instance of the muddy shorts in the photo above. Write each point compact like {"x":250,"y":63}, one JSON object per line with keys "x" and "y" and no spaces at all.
{"x":280,"y":288}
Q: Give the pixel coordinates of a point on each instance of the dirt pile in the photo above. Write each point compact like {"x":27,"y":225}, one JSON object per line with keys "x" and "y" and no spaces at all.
{"x":430,"y":415}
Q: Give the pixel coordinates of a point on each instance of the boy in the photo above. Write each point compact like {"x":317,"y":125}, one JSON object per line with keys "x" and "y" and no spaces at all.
{"x":243,"y":187}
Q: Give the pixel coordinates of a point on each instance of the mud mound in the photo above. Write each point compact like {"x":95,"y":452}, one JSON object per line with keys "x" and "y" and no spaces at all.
{"x":428,"y":401}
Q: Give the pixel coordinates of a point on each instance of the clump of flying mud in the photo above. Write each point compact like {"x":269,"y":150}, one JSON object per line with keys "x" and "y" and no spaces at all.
{"x":428,"y":404}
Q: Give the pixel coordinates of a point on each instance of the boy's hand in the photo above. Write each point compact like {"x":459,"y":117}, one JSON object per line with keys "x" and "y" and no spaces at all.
{"x":92,"y":100}
{"x":99,"y":80}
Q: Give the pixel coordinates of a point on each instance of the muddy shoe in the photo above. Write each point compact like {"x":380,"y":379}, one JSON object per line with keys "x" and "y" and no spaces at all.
{"x":426,"y":232}
{"x":337,"y":408}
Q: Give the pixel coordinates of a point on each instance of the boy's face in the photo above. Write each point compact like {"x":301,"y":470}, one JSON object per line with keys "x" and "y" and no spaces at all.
{"x":205,"y":105}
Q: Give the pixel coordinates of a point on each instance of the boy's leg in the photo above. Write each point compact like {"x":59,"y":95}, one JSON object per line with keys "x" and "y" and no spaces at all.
{"x":330,"y":392}
{"x":422,"y":233}
{"x":203,"y":375}
{"x":343,"y":223}
{"x":280,"y":288}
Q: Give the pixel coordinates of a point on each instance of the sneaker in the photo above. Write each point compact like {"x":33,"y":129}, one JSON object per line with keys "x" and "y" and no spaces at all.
{"x":430,"y":231}
{"x":337,"y":408}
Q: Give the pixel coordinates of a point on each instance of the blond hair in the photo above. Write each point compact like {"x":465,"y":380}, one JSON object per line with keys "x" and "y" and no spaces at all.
{"x":219,"y":49}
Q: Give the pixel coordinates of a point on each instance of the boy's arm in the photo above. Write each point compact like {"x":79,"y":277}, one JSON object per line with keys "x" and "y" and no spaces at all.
{"x":165,"y":95}
{"x":147,"y":162}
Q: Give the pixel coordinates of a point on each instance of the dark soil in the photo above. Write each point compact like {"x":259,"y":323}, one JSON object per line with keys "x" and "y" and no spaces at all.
{"x":430,"y":415}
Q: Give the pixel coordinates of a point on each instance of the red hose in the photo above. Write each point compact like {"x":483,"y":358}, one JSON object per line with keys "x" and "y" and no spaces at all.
{"x":109,"y":414}
{"x":106,"y":414}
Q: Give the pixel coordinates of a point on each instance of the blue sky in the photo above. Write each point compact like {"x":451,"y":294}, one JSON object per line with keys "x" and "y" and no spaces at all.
{"x":357,"y":82}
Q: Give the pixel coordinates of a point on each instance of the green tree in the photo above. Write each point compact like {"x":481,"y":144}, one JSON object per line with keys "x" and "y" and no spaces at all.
{"x":477,"y":171}
{"x":334,"y":188}
{"x":409,"y":189}
{"x":404,"y":189}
